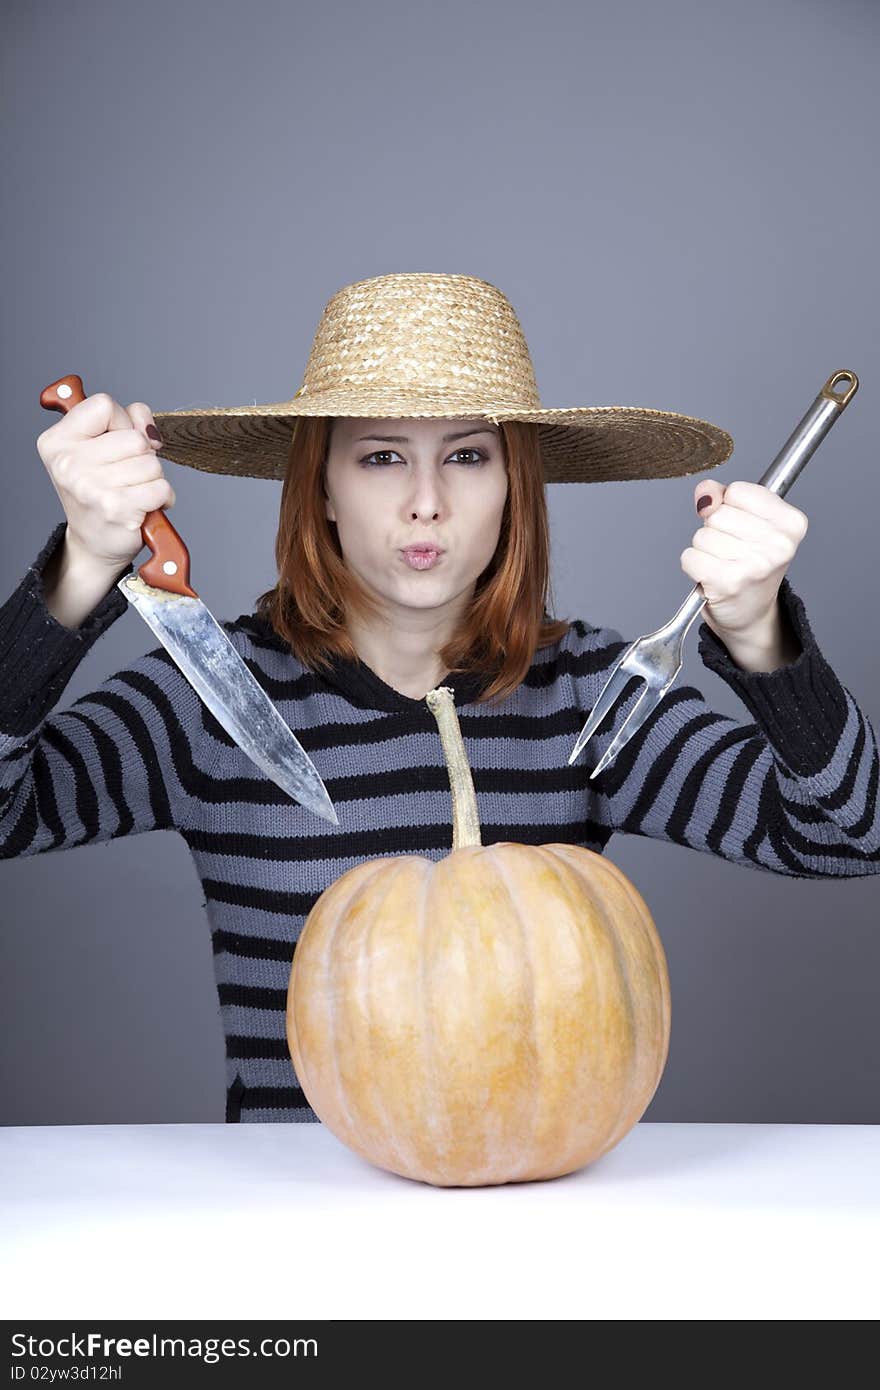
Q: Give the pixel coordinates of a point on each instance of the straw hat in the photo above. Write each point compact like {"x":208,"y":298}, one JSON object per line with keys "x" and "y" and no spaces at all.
{"x":432,"y":345}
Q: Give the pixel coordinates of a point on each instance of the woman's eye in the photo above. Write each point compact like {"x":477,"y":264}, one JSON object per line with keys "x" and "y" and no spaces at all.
{"x":480,"y":455}
{"x":367,"y":461}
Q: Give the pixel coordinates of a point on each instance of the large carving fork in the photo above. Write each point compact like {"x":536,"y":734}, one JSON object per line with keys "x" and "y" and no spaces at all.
{"x":656,"y":657}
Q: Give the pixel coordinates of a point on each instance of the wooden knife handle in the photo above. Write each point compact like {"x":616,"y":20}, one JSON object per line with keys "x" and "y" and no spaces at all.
{"x":168,"y":566}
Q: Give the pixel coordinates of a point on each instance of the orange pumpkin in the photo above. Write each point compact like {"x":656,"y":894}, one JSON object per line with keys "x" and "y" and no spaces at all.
{"x":501,"y":1015}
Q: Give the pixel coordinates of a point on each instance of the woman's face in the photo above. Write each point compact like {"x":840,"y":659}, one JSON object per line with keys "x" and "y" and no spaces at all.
{"x":397,"y":483}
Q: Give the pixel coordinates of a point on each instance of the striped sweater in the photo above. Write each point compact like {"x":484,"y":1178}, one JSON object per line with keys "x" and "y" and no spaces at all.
{"x":794,"y":792}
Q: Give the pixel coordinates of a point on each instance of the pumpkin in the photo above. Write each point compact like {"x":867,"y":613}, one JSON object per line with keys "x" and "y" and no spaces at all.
{"x":501,"y":1015}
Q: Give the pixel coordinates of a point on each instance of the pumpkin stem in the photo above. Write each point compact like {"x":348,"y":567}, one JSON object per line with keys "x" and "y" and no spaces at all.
{"x":465,"y":819}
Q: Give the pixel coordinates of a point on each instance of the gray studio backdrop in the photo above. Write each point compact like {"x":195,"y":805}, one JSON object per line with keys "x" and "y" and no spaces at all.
{"x":679,"y":201}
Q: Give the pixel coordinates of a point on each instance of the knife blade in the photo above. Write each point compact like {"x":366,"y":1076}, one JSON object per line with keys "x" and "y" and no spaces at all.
{"x":161,"y":593}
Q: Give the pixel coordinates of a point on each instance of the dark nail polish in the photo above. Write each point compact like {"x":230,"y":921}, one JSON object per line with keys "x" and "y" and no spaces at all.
{"x":703,"y":501}
{"x":154,"y":434}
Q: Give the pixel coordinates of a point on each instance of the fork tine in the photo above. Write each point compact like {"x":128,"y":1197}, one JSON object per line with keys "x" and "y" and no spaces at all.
{"x":615,"y":683}
{"x":654,"y":658}
{"x":647,"y":701}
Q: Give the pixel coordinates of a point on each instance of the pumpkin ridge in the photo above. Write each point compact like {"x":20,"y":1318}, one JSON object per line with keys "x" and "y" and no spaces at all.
{"x":365,"y":953}
{"x":341,"y":911}
{"x":587,"y":950}
{"x":585,"y":947}
{"x":624,"y":990}
{"x":622,"y":1122}
{"x":638,"y":919}
{"x":498,"y":861}
{"x":642,"y":915}
{"x":655,"y":943}
{"x":329,"y":957}
{"x":429,"y":1032}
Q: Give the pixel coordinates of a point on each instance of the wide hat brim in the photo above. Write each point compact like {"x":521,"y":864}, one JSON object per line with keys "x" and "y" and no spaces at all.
{"x":614,"y":443}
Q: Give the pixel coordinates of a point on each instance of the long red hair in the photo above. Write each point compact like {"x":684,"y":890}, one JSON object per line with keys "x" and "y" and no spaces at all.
{"x":506,"y":620}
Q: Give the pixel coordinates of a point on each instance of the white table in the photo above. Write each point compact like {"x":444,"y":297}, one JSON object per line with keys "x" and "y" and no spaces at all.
{"x":679,"y":1221}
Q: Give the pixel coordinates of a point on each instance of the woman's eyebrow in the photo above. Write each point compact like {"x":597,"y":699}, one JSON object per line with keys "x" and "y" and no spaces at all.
{"x":403,"y":439}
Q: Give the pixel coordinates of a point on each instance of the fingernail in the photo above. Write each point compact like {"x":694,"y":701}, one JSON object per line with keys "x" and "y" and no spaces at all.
{"x":154,"y":434}
{"x":703,"y":501}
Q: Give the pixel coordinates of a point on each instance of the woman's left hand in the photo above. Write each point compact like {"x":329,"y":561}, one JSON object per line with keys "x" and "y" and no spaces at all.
{"x":739,"y":556}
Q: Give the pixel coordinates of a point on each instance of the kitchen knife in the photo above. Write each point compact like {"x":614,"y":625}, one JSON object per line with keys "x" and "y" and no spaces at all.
{"x":161,"y":593}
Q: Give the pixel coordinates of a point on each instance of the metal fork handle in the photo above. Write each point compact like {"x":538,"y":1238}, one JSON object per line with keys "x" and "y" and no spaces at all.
{"x":794,"y":455}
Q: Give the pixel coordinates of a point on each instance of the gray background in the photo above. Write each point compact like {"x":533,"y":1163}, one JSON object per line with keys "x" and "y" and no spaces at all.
{"x":681,"y":203}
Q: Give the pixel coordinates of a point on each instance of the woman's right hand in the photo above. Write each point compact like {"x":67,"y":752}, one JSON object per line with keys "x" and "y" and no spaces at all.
{"x":108,"y":475}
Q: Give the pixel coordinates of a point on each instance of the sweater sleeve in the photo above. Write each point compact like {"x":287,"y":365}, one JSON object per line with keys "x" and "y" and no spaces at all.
{"x":793,"y":793}
{"x":122,"y":759}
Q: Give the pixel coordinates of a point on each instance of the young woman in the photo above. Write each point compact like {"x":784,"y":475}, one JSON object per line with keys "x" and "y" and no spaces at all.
{"x":384,"y":459}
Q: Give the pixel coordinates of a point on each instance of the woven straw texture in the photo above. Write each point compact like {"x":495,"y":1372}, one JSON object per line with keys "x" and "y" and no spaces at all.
{"x":420,"y":345}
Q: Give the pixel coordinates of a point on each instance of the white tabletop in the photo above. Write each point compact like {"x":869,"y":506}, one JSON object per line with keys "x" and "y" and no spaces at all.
{"x":282,"y":1220}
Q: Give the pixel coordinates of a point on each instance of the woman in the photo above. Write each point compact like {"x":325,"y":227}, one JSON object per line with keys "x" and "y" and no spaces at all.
{"x":355,"y":633}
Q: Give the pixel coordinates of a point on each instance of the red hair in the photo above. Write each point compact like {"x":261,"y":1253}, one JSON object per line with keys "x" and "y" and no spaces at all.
{"x":506,"y":620}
